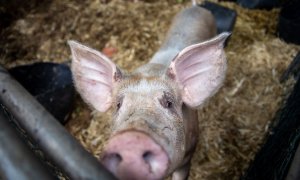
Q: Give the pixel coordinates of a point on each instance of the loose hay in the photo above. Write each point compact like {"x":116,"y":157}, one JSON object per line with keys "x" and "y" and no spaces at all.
{"x":232,"y":124}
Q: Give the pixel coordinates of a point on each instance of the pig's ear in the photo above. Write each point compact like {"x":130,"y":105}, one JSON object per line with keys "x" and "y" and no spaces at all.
{"x":200,"y":70}
{"x":94,"y":75}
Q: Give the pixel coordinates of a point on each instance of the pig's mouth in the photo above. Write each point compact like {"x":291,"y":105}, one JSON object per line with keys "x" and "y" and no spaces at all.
{"x":135,"y":155}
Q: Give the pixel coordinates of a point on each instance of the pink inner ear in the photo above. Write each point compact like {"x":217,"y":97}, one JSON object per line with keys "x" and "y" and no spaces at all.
{"x":93,"y":74}
{"x":193,"y":68}
{"x":97,"y":95}
{"x":200,"y":70}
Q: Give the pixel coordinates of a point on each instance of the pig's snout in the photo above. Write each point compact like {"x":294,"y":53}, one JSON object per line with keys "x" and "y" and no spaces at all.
{"x":135,"y":155}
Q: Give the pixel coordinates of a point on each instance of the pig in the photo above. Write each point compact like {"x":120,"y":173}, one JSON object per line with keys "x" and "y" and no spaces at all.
{"x":154,"y":108}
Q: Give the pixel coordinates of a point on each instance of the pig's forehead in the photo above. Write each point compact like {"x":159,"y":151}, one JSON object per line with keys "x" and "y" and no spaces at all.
{"x":146,"y":86}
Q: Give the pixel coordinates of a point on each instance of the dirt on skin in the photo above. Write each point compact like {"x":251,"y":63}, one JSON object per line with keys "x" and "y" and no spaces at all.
{"x":233,"y":123}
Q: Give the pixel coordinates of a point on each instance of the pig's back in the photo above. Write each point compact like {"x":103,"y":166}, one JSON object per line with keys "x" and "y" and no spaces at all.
{"x":192,"y":25}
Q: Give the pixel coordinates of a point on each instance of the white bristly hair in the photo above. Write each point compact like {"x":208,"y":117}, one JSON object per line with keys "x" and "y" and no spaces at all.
{"x":145,"y":86}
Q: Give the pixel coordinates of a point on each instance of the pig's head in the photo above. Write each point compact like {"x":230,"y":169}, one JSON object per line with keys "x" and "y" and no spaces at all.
{"x":148,"y":138}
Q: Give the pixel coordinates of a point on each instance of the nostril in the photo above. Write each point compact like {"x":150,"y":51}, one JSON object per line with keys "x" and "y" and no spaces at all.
{"x":112,"y":160}
{"x":116,"y":157}
{"x":153,"y":161}
{"x":147,"y":156}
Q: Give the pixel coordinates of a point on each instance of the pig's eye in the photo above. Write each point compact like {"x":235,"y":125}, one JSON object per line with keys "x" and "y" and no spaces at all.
{"x":167,"y":101}
{"x":169,"y":104}
{"x":119,"y":103}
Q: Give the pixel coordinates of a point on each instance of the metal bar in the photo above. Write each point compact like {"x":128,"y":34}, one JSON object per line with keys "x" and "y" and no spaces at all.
{"x":51,"y":137}
{"x":17,"y":161}
{"x":294,"y":171}
{"x":276,"y":155}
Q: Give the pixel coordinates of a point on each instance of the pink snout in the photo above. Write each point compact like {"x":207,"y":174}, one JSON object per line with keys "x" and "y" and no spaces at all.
{"x":134,"y":155}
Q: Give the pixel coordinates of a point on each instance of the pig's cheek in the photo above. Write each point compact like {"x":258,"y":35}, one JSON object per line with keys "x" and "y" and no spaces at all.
{"x":167,"y":131}
{"x":177,"y":138}
{"x":174,"y":139}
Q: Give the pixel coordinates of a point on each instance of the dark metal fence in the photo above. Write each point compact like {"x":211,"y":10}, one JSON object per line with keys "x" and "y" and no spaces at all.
{"x":49,"y":135}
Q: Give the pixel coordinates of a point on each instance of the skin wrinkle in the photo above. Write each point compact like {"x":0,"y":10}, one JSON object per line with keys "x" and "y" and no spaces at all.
{"x":92,"y":81}
{"x":195,"y":75}
{"x":84,"y":70}
{"x":118,"y":75}
{"x":86,"y":64}
{"x":171,"y":74}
